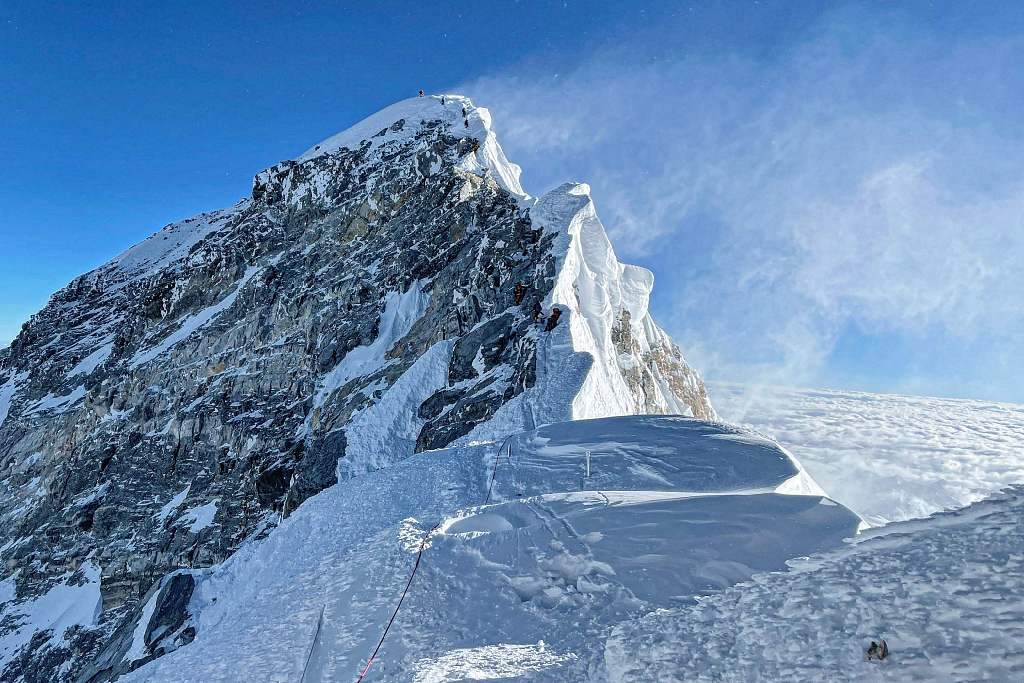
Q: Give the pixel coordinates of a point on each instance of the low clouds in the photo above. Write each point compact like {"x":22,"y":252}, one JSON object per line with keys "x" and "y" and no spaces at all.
{"x":863,"y":176}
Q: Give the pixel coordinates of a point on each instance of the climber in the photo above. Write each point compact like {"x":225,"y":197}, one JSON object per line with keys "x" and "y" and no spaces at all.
{"x":556,"y":313}
{"x":442,"y":100}
{"x":877,"y":651}
{"x":519,"y":293}
{"x":421,"y":93}
{"x":465,"y":122}
{"x":464,"y":115}
{"x":538,"y":312}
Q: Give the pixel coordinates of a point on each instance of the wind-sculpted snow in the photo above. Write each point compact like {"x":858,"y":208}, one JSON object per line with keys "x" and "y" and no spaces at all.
{"x":945,"y":594}
{"x":656,"y":454}
{"x":636,"y":368}
{"x":527,"y":588}
{"x":389,"y":292}
{"x":887,"y":457}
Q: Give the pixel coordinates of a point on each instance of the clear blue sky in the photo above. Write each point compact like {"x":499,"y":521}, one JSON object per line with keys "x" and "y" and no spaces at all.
{"x":828,"y":194}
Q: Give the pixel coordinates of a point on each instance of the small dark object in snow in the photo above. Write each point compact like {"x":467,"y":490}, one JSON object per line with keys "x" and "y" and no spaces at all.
{"x":421,"y":93}
{"x":877,"y":651}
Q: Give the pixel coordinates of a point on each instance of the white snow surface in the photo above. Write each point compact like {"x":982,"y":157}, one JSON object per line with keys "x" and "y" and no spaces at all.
{"x":592,"y":288}
{"x":161,"y":249}
{"x":58,"y":404}
{"x":945,"y":594}
{"x":497,"y":580}
{"x":401,"y":311}
{"x":386,"y":432}
{"x":7,"y":391}
{"x":887,"y":457}
{"x":172,"y":505}
{"x":198,"y":518}
{"x":137,"y":650}
{"x":94,"y":359}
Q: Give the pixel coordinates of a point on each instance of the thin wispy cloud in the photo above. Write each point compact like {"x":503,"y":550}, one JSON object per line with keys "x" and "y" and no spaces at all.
{"x":868,"y":175}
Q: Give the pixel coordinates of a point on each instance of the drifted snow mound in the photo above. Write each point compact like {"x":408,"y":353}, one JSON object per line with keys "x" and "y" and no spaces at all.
{"x":648,"y":453}
{"x":943,"y":592}
{"x":527,"y":587}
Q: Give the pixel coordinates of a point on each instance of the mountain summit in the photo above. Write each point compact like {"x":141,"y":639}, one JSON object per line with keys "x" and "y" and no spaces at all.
{"x":392,"y":290}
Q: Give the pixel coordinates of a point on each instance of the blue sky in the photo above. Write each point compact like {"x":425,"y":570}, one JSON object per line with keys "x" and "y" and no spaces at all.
{"x":828,"y":194}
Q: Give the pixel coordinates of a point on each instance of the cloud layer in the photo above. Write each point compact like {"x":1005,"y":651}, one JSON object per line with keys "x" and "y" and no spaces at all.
{"x":865,"y":176}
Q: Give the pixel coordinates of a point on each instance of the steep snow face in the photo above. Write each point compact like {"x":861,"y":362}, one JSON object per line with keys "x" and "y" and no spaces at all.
{"x":636,"y":366}
{"x":526,"y":587}
{"x":389,"y":292}
{"x":943,"y":592}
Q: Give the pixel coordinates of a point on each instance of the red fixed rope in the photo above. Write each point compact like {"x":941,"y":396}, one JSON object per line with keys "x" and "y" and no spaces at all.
{"x":419,"y":556}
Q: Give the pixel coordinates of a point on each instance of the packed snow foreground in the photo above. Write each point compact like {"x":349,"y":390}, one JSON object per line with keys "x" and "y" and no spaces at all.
{"x":224,"y":452}
{"x":527,"y":587}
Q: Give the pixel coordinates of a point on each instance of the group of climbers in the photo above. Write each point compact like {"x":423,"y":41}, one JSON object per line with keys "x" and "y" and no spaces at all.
{"x":465,"y":114}
{"x":519,"y":294}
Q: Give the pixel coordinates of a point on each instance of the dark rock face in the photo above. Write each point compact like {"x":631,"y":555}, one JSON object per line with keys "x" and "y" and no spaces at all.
{"x":175,"y":402}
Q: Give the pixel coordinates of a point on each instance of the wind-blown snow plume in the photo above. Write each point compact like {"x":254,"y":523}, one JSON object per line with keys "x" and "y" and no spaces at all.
{"x":865,"y":180}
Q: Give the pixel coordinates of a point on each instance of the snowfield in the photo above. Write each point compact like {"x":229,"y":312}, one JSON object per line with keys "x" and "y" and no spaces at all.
{"x":527,"y":587}
{"x":945,"y":593}
{"x":887,"y":457}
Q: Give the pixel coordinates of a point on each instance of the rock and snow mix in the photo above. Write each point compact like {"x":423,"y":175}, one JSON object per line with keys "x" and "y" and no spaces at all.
{"x":673,"y":508}
{"x":236,"y":434}
{"x":386,"y":293}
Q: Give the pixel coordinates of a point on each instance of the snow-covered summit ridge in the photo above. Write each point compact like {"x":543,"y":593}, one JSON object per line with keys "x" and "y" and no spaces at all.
{"x":379,"y":128}
{"x":173,"y":242}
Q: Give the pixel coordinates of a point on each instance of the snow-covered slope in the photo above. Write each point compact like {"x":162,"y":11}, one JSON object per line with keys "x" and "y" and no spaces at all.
{"x":945,"y":594}
{"x":524,"y":588}
{"x":888,"y":457}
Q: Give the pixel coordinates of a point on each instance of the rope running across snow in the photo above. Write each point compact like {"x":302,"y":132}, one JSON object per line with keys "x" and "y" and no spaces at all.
{"x":312,"y":645}
{"x":419,"y":556}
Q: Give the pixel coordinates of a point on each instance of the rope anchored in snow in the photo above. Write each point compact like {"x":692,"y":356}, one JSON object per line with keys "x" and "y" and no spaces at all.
{"x":419,"y":556}
{"x":312,"y":645}
{"x":494,"y":472}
